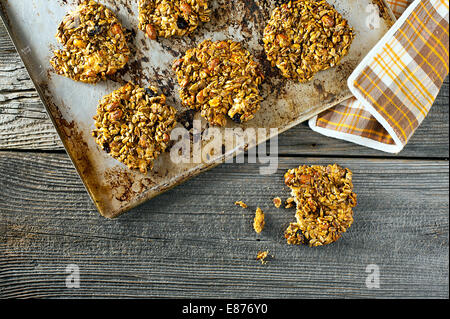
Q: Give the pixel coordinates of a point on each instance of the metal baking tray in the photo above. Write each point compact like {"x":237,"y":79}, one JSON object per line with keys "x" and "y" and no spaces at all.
{"x":114,"y":189}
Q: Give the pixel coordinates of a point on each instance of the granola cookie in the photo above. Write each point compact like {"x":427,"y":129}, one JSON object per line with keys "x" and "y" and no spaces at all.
{"x":304,"y":37}
{"x":325,"y":198}
{"x":133,"y":125}
{"x":167,"y":18}
{"x":94,"y":44}
{"x":221,"y":79}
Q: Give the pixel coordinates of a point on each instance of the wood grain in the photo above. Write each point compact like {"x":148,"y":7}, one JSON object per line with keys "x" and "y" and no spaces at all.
{"x":193,"y":242}
{"x":24,"y":124}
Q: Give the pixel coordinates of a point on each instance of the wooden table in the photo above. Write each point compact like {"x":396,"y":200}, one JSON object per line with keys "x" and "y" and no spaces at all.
{"x":194,"y":242}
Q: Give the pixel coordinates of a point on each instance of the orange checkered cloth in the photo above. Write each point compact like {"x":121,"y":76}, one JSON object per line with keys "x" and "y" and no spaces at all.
{"x":397,"y":82}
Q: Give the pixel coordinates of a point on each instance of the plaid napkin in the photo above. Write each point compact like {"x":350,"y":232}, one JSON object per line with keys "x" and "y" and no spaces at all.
{"x":397,"y":82}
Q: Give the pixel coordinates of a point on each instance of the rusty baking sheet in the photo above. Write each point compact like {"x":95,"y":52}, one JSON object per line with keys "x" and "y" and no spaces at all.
{"x":114,"y":189}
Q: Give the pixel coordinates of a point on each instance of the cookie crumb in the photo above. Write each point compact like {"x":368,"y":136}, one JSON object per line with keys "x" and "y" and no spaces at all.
{"x":262,"y":255}
{"x":241,"y":203}
{"x":277,"y":202}
{"x":289,"y":202}
{"x":258,"y":222}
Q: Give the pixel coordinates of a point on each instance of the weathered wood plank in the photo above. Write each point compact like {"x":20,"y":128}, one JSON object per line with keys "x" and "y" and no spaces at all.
{"x":24,"y":124}
{"x":193,"y":242}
